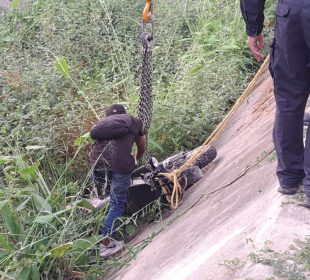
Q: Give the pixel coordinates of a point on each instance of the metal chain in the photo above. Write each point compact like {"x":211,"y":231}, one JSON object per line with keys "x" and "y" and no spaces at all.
{"x":145,"y":107}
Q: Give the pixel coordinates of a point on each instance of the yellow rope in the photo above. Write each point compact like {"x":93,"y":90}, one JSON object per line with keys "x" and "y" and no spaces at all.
{"x":173,"y":176}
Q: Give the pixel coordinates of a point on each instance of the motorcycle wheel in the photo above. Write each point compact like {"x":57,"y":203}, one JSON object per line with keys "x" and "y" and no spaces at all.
{"x":206,"y":158}
{"x":190,"y":176}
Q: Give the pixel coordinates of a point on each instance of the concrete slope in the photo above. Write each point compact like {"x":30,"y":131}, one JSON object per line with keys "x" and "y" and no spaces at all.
{"x":232,"y":212}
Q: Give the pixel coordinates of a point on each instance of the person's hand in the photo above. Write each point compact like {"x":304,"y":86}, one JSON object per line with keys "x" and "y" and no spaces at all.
{"x":136,"y":162}
{"x":256,"y":44}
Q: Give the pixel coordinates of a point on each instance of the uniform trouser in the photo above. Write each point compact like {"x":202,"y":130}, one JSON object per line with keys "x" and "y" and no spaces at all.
{"x":290,"y":69}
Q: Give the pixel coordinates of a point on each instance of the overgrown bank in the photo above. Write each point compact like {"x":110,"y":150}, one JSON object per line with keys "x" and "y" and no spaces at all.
{"x":201,"y":64}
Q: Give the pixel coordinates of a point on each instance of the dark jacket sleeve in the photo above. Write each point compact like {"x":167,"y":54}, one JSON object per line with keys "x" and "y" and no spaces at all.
{"x":253,"y":14}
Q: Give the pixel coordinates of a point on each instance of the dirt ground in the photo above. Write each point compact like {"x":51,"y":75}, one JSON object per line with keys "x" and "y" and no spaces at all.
{"x":233,"y":212}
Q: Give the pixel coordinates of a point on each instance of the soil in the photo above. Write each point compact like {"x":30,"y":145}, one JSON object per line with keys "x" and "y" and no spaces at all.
{"x":233,"y":211}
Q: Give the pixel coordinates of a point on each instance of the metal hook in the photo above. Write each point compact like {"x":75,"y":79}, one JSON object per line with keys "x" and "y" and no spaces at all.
{"x":148,"y":11}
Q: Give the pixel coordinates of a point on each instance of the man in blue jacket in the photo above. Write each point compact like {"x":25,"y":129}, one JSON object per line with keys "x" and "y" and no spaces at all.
{"x":290,"y":70}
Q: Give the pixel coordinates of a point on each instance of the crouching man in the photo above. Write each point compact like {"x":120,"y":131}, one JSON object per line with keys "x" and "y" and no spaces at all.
{"x":115,"y":136}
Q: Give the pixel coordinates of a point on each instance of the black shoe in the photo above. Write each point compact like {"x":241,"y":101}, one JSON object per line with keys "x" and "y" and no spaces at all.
{"x":288,"y":190}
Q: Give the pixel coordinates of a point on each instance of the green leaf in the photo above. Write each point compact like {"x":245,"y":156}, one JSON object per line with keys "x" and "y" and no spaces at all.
{"x":197,"y":68}
{"x":22,"y":206}
{"x":86,"y":204}
{"x":40,"y":203}
{"x":3,"y":203}
{"x":62,"y":66}
{"x":46,"y":219}
{"x":20,"y":163}
{"x":80,"y":260}
{"x":4,"y":244}
{"x":15,"y":4}
{"x":12,"y":222}
{"x":60,"y":251}
{"x":29,"y":173}
{"x":154,"y":145}
{"x":35,"y":273}
{"x":80,"y":246}
{"x":130,"y":229}
{"x":80,"y":140}
{"x":24,"y":274}
{"x":5,"y":159}
{"x":86,"y":244}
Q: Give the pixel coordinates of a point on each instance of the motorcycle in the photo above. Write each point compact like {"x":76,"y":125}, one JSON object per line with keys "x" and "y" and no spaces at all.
{"x":149,"y":185}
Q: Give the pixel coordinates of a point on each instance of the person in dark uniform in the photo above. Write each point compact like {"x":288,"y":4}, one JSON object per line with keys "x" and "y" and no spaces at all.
{"x":290,"y":70}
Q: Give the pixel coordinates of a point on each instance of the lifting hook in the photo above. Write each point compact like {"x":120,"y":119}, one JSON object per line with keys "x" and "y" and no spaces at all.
{"x":148,"y":11}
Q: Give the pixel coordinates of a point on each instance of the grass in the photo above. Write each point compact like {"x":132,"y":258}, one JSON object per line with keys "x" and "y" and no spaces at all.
{"x":40,"y":234}
{"x":62,"y":63}
{"x":201,"y":65}
{"x":292,"y":264}
{"x":234,"y":264}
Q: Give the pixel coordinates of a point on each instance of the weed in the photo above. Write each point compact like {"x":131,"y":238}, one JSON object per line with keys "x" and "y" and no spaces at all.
{"x":272,"y":157}
{"x":234,"y":264}
{"x":292,"y":264}
{"x":255,"y":258}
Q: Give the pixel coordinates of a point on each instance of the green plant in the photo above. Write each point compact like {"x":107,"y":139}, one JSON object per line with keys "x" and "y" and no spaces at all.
{"x":292,"y":264}
{"x":272,"y":157}
{"x":234,"y":264}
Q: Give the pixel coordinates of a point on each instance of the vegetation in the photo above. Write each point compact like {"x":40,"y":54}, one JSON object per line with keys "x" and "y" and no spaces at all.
{"x":63,"y":60}
{"x":292,"y":264}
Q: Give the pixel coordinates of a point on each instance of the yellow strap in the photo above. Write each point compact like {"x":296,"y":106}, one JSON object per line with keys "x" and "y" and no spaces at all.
{"x":173,"y":176}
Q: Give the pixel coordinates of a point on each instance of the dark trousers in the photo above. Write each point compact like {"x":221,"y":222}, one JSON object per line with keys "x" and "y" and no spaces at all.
{"x":290,"y":69}
{"x":115,"y":185}
{"x":120,"y":184}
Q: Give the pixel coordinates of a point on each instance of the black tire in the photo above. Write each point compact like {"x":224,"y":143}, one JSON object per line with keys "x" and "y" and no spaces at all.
{"x":190,"y":176}
{"x":206,"y":158}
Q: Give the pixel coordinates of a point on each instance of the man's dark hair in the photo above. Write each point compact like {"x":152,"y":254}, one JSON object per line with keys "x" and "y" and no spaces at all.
{"x":115,"y":109}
